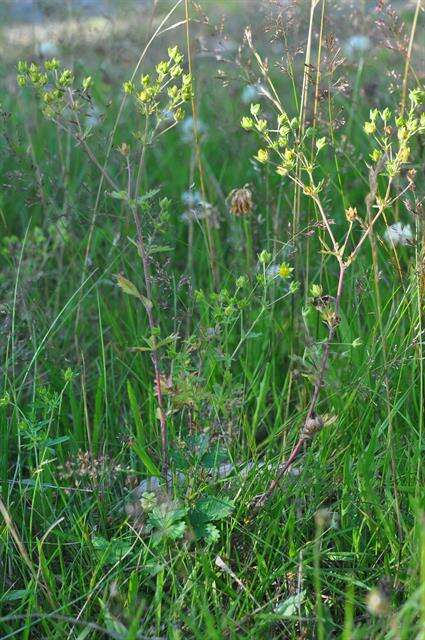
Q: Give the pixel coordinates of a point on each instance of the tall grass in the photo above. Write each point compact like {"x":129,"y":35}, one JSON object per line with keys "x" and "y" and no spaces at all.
{"x":212,"y":397}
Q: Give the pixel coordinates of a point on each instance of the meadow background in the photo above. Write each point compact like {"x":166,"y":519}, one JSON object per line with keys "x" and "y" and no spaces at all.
{"x":105,"y":529}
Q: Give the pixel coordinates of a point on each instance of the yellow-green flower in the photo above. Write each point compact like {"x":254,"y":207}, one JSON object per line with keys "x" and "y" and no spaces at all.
{"x":285,"y":270}
{"x":262,"y":155}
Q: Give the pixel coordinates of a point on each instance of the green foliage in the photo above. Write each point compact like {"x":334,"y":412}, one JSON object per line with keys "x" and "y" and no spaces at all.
{"x":129,"y":274}
{"x":166,"y":522}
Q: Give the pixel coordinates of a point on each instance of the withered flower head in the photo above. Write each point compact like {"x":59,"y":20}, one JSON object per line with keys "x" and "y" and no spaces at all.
{"x":351,"y":214}
{"x":241,"y":201}
{"x":378,"y":602}
{"x":312,"y":425}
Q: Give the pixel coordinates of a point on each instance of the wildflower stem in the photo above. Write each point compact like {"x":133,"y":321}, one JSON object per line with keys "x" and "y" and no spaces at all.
{"x":141,"y":245}
{"x":304,"y":438}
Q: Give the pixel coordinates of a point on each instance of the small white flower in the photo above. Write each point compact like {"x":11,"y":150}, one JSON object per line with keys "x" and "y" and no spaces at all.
{"x":191,"y":198}
{"x":200,"y":211}
{"x":399,"y":233}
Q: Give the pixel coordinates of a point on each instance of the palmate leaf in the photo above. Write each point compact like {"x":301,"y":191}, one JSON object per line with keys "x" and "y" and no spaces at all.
{"x":166,"y":521}
{"x":171,"y":532}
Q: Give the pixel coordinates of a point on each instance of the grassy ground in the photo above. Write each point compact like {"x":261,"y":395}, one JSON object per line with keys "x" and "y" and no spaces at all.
{"x":237,"y":349}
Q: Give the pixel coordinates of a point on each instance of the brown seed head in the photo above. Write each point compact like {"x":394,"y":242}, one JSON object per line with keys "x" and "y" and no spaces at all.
{"x":312,"y":425}
{"x":351,"y":214}
{"x":241,"y":202}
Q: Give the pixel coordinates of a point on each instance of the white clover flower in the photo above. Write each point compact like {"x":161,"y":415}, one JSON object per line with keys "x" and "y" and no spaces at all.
{"x":399,"y":233}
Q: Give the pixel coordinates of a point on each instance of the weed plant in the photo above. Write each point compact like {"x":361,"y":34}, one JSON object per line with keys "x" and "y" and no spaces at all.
{"x":212,"y":306}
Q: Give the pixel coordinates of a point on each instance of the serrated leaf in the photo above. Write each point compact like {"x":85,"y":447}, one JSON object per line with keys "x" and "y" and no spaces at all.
{"x":216,"y":456}
{"x":207,"y":532}
{"x":165,"y":521}
{"x":147,"y":196}
{"x":209,"y":509}
{"x":172,"y":532}
{"x":166,"y":514}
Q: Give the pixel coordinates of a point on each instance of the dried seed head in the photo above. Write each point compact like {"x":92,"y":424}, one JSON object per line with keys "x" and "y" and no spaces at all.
{"x":124,"y":149}
{"x":411,"y":175}
{"x":378,"y":602}
{"x":241,"y":202}
{"x":312,"y":425}
{"x":351,"y":214}
{"x":323,"y":518}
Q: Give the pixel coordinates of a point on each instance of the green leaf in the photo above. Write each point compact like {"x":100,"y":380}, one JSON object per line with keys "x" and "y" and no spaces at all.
{"x":207,"y":532}
{"x":135,"y":412}
{"x":14,"y":595}
{"x":216,"y":456}
{"x":172,"y":532}
{"x":160,"y":249}
{"x":127,"y":286}
{"x":147,"y":196}
{"x":111,"y":622}
{"x":166,"y":514}
{"x":111,"y":550}
{"x":130,"y":289}
{"x":209,"y":509}
{"x":290,"y":606}
{"x":148,"y":304}
{"x":165,"y":521}
{"x":146,"y":459}
{"x":119,"y":195}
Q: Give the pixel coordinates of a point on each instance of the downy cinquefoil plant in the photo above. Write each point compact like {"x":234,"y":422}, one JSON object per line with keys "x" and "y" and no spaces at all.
{"x":159,"y":98}
{"x":283,"y":148}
